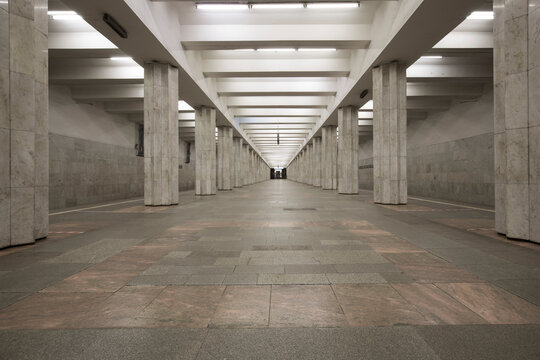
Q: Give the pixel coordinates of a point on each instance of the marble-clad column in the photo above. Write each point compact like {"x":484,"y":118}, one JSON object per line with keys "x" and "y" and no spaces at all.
{"x":225,"y":157}
{"x":205,"y":150}
{"x":24,"y":122}
{"x":517,"y":118}
{"x":245,"y":164}
{"x":238,"y":182}
{"x":390,"y":134}
{"x":317,"y":161}
{"x":160,"y":134}
{"x":348,"y":150}
{"x":329,"y":157}
{"x":309,"y":164}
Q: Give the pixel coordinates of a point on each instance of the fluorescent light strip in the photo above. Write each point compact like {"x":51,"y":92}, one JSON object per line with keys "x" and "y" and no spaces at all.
{"x":223,"y":6}
{"x":277,"y":49}
{"x":431,"y":57}
{"x":121,"y":58}
{"x":317,"y":49}
{"x":481,"y":15}
{"x":343,"y":5}
{"x":61,"y":13}
{"x":64,"y":15}
{"x":278,"y":6}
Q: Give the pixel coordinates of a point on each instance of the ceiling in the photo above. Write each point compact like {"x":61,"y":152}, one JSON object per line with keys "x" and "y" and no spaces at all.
{"x":275,"y":71}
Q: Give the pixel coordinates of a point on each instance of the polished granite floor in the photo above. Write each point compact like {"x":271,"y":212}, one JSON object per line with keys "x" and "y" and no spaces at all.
{"x":276,"y":270}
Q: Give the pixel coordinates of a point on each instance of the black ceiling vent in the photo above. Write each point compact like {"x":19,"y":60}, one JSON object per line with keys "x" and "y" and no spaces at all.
{"x":109,"y":20}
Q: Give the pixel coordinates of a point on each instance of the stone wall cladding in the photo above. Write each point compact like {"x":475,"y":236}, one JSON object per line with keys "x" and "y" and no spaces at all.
{"x":87,"y":172}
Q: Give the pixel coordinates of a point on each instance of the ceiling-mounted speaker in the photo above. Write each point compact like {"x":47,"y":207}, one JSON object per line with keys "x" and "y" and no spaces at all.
{"x":109,"y":20}
{"x":364,"y":93}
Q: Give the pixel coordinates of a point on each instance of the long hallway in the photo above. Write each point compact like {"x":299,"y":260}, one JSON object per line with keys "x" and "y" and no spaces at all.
{"x":277,"y":270}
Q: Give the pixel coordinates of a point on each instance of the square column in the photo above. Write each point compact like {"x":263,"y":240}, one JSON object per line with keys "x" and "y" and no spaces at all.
{"x":225,"y":158}
{"x":160,"y":134}
{"x":205,"y":151}
{"x":237,"y":144}
{"x":348,"y":150}
{"x":317,"y":143}
{"x":245,"y":164}
{"x":24,"y":122}
{"x":309,"y":164}
{"x":329,"y":158}
{"x":517,"y":119}
{"x":390,"y":134}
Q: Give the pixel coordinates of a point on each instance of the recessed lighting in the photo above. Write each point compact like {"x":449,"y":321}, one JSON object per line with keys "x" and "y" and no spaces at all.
{"x":64,"y":15}
{"x":329,"y":5}
{"x":317,"y":49}
{"x":278,"y":6}
{"x":481,"y":15}
{"x":277,"y":49}
{"x":121,"y":58}
{"x":431,"y":57}
{"x":222,"y":6}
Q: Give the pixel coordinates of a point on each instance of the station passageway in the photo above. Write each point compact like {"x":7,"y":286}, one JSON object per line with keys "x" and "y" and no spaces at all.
{"x":276,"y":270}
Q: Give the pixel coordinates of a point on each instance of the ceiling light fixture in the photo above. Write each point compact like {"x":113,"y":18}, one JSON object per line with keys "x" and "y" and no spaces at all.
{"x":222,"y":6}
{"x":431,"y":57}
{"x":330,"y":5}
{"x":64,"y":15}
{"x":481,"y":15}
{"x":121,"y":58}
{"x":317,"y":49}
{"x":278,"y":6}
{"x":277,"y":49}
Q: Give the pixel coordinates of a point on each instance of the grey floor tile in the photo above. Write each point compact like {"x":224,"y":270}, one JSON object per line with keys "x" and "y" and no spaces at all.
{"x":292,"y":279}
{"x":483,"y":342}
{"x":355,"y":278}
{"x":311,"y":344}
{"x":159,"y":280}
{"x":206,"y":279}
{"x":309,"y":269}
{"x":37,"y":277}
{"x":240,"y":279}
{"x":528,"y":289}
{"x":260,"y":269}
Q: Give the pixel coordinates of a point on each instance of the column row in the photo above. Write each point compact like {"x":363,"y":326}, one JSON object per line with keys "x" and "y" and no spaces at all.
{"x":24,"y":122}
{"x":332,"y":161}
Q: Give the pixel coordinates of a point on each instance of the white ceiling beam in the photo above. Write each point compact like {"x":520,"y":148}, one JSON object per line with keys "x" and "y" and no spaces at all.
{"x":466,"y":40}
{"x":276,"y":126}
{"x":77,"y":74}
{"x":276,"y":112}
{"x":439,"y":72}
{"x":326,"y":87}
{"x":277,"y":120}
{"x":220,"y":68}
{"x":231,"y":36}
{"x":278,"y":101}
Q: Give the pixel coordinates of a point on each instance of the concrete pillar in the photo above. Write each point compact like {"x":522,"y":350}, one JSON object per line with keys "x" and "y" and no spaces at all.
{"x":24,"y":122}
{"x":237,"y":143}
{"x":317,"y":143}
{"x":205,"y":151}
{"x":245,"y":164}
{"x":348,"y":150}
{"x":517,"y":119}
{"x":309,"y":164}
{"x":225,"y":158}
{"x":390,"y":134}
{"x":160,"y":134}
{"x":329,"y":158}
